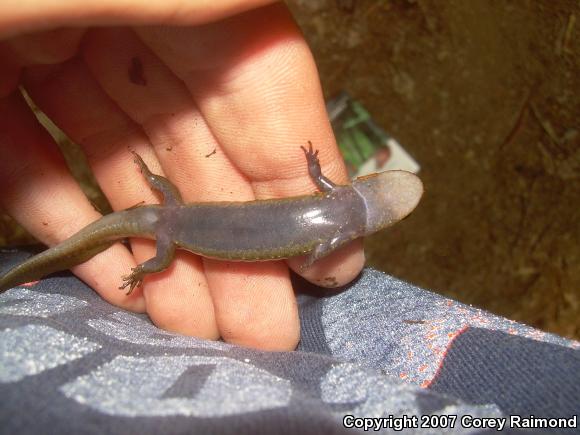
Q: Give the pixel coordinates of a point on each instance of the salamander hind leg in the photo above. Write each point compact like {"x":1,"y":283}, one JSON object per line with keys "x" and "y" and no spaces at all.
{"x":323,"y":183}
{"x":134,"y":279}
{"x":161,"y":261}
{"x":170,"y":193}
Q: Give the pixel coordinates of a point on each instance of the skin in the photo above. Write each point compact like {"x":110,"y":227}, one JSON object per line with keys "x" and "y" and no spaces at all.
{"x":244,"y":231}
{"x":232,"y":76}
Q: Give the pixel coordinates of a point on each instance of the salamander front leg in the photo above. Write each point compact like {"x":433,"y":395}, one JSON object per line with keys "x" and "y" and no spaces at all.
{"x":171,"y":195}
{"x":323,"y":183}
{"x":324,"y":248}
{"x":161,"y":261}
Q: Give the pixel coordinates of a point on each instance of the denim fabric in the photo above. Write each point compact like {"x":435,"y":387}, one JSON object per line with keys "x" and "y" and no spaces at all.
{"x":379,"y":348}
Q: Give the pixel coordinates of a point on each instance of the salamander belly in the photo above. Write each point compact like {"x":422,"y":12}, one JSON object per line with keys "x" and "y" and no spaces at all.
{"x":259,"y":230}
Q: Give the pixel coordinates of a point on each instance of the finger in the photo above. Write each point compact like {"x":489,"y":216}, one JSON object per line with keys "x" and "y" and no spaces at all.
{"x":335,"y":270}
{"x":47,"y":47}
{"x":71,"y":97}
{"x":19,"y":17}
{"x":150,"y":94}
{"x":269,"y":103}
{"x":255,"y":304}
{"x":41,"y":194}
{"x":196,"y":164}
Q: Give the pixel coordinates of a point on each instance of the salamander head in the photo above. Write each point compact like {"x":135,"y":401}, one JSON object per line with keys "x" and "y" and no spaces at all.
{"x":389,"y":197}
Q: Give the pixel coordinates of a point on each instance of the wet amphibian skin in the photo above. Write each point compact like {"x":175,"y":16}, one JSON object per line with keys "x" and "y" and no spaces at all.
{"x":244,"y":231}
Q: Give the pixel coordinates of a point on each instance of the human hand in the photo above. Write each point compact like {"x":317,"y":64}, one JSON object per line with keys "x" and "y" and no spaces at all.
{"x":245,"y":86}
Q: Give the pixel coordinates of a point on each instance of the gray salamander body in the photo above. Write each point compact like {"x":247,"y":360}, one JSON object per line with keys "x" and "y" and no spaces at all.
{"x":245,"y":231}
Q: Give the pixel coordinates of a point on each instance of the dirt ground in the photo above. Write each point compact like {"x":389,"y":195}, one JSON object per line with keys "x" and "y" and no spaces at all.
{"x":484,"y":94}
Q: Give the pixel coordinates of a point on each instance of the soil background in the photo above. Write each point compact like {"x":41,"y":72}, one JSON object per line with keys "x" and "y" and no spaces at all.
{"x":484,"y":95}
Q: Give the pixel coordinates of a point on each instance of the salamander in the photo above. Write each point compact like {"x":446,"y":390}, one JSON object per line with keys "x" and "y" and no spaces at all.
{"x":267,"y":229}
